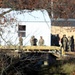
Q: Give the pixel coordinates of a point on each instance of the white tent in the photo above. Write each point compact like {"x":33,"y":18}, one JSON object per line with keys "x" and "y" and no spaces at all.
{"x":37,"y":23}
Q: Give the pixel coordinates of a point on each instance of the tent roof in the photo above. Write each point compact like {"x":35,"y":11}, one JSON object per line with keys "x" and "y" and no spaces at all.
{"x":28,"y":15}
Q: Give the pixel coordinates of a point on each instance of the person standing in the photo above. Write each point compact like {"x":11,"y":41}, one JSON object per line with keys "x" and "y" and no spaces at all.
{"x":20,"y":40}
{"x":64,"y":42}
{"x":57,"y":40}
{"x":41,"y":41}
{"x":33,"y":41}
{"x":69,"y":43}
{"x":72,"y":43}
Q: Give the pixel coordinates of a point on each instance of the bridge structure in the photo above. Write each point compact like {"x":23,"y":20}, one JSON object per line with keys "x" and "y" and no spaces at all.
{"x":55,"y":50}
{"x":30,"y":58}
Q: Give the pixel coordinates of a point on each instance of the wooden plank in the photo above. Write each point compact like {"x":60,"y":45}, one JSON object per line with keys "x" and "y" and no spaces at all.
{"x":32,"y":48}
{"x":9,"y":47}
{"x":70,"y":53}
{"x":41,"y":48}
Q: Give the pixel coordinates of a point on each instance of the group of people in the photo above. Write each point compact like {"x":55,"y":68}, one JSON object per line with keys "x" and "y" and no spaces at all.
{"x":67,"y":43}
{"x":33,"y":41}
{"x":55,"y":40}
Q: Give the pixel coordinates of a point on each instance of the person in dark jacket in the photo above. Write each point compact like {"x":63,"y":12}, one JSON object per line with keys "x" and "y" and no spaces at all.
{"x":33,"y":41}
{"x":72,"y":43}
{"x":57,"y":40}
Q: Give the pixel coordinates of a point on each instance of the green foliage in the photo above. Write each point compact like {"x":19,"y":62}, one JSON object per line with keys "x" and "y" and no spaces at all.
{"x":68,"y":68}
{"x":62,"y":67}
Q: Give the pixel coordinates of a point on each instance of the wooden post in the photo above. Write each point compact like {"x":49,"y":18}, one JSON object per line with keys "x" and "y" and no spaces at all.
{"x":62,"y":52}
{"x":45,"y":62}
{"x":46,"y":59}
